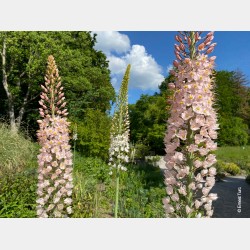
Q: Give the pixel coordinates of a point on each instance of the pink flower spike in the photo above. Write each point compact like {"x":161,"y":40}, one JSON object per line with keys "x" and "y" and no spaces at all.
{"x":53,"y":137}
{"x":191,"y":129}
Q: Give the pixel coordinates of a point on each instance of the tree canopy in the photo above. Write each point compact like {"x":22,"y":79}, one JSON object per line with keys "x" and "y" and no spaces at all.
{"x":84,"y":72}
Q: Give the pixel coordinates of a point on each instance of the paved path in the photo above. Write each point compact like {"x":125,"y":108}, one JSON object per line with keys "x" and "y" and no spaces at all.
{"x":232,"y":192}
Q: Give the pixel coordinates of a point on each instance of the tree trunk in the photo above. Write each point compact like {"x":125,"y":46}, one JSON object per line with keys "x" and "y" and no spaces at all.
{"x":22,"y":109}
{"x":11,"y":110}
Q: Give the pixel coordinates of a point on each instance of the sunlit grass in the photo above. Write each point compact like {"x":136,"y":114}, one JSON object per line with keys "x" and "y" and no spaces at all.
{"x":238,"y":155}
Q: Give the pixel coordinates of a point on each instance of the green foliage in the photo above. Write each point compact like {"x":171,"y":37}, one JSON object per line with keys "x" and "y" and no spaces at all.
{"x":84,"y":71}
{"x":18,"y":194}
{"x":91,"y":180}
{"x":155,"y":137}
{"x":233,"y":102}
{"x":148,"y":121}
{"x":141,"y":192}
{"x":94,"y":168}
{"x":16,"y":152}
{"x":141,"y":150}
{"x":93,"y":134}
{"x":232,"y":132}
{"x":226,"y":91}
{"x":228,"y":167}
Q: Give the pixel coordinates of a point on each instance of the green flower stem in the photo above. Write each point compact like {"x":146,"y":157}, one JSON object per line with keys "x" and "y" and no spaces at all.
{"x":192,"y":45}
{"x":74,"y":153}
{"x":117,"y":193}
{"x":117,"y":172}
{"x":190,"y":137}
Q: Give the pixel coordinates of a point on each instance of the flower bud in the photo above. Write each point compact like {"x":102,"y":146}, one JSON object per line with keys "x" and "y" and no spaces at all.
{"x":210,"y":50}
{"x":171,"y":85}
{"x":178,"y":38}
{"x":210,"y":33}
{"x":201,"y":46}
{"x":177,"y":47}
{"x":182,"y":46}
{"x":176,"y":64}
{"x":212,"y":58}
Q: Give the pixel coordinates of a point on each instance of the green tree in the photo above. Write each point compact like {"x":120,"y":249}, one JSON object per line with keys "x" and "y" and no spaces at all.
{"x":93,"y":134}
{"x":233,"y":131}
{"x":148,"y":118}
{"x":233,"y":105}
{"x":84,"y":70}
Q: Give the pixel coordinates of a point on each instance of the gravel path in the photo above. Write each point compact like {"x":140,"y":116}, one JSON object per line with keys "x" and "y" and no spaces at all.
{"x":233,"y":198}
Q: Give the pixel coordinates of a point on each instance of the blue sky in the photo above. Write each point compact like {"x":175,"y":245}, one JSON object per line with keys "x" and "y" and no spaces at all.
{"x":151,"y":53}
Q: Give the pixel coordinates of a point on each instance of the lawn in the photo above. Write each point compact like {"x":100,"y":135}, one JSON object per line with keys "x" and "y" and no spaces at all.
{"x":237,"y":155}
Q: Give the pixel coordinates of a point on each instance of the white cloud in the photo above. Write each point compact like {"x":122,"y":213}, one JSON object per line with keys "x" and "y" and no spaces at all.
{"x":112,"y":41}
{"x":145,"y":74}
{"x":169,"y":67}
{"x":117,"y":65}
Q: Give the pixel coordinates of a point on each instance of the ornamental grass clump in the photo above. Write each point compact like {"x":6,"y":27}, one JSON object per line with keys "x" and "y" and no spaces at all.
{"x":55,"y":158}
{"x":191,"y":130}
{"x":119,"y":145}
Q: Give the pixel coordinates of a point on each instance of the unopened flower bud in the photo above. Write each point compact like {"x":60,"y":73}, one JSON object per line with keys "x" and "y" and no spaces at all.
{"x":171,"y":85}
{"x":176,"y":64}
{"x":210,"y":50}
{"x":178,"y":38}
{"x":177,"y":47}
{"x":201,"y":46}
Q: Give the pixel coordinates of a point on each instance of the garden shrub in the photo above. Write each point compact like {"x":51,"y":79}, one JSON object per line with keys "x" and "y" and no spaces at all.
{"x":228,"y":167}
{"x":18,"y":194}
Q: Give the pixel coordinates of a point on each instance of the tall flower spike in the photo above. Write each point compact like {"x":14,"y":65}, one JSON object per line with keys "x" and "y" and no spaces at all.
{"x":191,"y":131}
{"x":55,"y":158}
{"x":119,"y":146}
